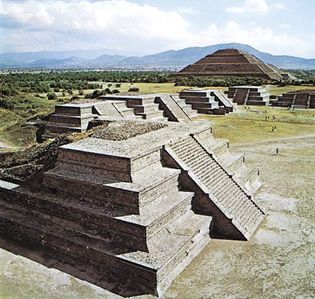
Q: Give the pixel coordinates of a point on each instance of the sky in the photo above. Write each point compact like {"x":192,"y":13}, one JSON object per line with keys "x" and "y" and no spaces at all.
{"x":139,"y":27}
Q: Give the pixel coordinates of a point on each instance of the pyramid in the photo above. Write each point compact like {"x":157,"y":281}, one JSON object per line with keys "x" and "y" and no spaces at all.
{"x":231,"y":62}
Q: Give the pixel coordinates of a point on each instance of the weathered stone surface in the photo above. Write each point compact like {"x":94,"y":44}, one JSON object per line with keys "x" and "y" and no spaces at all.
{"x":117,"y":207}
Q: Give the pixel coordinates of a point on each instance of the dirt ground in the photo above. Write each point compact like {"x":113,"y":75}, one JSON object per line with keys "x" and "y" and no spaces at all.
{"x":278,"y":262}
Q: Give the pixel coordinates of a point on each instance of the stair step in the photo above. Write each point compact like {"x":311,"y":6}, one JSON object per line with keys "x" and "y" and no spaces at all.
{"x":214,"y":177}
{"x":147,"y":185}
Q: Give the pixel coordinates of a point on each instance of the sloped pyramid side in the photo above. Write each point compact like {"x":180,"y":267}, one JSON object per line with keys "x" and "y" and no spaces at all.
{"x":231,"y":62}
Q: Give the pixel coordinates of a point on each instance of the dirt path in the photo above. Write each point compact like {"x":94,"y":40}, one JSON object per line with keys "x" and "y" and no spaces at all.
{"x":271,"y":141}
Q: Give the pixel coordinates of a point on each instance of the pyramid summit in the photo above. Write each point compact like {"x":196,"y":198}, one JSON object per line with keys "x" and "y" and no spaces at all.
{"x":231,"y":62}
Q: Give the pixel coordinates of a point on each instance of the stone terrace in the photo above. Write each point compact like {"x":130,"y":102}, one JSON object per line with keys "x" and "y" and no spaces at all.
{"x":249,"y":95}
{"x":304,"y":99}
{"x":132,"y":209}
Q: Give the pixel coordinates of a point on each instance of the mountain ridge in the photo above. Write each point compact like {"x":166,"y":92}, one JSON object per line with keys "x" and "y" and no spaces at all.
{"x":171,"y":59}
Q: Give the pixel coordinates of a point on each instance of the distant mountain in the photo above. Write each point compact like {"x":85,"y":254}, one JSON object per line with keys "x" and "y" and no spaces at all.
{"x":107,"y":59}
{"x":63,"y":63}
{"x":26,"y":59}
{"x":187,"y":56}
{"x":164,"y":60}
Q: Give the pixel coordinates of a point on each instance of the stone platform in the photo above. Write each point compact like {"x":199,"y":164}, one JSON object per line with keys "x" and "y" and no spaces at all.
{"x":207,"y":101}
{"x":249,"y":95}
{"x":128,"y":211}
{"x":303,"y":99}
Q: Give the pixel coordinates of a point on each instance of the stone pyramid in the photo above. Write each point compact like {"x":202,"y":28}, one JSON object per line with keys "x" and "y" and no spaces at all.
{"x":231,"y":62}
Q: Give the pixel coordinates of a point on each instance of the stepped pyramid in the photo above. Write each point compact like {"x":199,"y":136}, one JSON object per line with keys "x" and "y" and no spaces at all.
{"x":231,"y":62}
{"x":130,"y":206}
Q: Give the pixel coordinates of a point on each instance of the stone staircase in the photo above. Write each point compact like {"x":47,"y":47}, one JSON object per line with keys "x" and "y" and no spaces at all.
{"x":114,"y":109}
{"x":120,"y":215}
{"x":185,"y":107}
{"x":223,"y":100}
{"x":172,"y":108}
{"x":228,"y":203}
{"x":247,"y":178}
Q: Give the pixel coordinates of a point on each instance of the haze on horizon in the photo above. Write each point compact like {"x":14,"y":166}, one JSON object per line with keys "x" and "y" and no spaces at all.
{"x":142,"y":27}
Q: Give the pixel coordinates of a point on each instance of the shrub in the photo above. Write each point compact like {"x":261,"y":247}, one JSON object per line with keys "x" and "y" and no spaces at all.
{"x":115,"y":91}
{"x":51,"y":96}
{"x":96,"y":93}
{"x":6,"y":104}
{"x":133,"y":89}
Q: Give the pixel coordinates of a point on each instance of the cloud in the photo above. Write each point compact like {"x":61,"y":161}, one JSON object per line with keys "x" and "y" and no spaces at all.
{"x":115,"y":23}
{"x":254,"y":6}
{"x":284,"y":26}
{"x":123,"y":26}
{"x":278,"y":6}
{"x":250,"y":6}
{"x":262,"y":38}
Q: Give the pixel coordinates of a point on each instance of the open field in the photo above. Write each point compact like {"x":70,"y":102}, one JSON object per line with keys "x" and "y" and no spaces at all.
{"x":250,"y":125}
{"x":26,"y":106}
{"x":278,"y":90}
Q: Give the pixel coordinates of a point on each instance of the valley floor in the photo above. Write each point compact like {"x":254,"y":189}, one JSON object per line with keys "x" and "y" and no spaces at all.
{"x":278,"y":262}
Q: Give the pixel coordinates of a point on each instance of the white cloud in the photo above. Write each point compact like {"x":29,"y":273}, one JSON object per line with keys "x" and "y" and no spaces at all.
{"x":123,"y":26}
{"x":279,"y":6}
{"x":187,"y":10}
{"x":284,"y":26}
{"x":250,"y":6}
{"x":256,"y":6}
{"x":262,"y":38}
{"x":102,"y":21}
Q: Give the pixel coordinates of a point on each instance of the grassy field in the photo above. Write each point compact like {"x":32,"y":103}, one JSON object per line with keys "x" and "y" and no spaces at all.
{"x":250,"y":125}
{"x":14,"y":130}
{"x":279,"y":90}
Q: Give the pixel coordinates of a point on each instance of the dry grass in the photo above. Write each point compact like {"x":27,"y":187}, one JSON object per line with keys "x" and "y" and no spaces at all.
{"x":249,"y":125}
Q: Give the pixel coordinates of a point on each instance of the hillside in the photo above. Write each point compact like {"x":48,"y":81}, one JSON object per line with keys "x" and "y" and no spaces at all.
{"x":165,"y":60}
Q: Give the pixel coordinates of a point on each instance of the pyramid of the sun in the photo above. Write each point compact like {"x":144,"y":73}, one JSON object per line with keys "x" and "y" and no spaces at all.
{"x":231,"y":62}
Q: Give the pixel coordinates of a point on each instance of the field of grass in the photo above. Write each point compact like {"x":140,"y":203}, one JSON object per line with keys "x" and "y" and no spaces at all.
{"x":252,"y":124}
{"x":246,"y":124}
{"x":14,"y":130}
{"x":279,"y":90}
{"x":151,"y":87}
